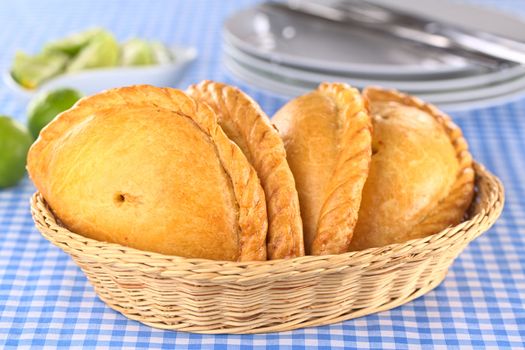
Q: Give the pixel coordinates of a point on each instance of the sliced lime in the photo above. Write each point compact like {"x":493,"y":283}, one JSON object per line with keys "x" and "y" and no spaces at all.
{"x":102,"y":51}
{"x":136,"y":52}
{"x":162,"y":53}
{"x":73,"y":43}
{"x":31,"y":71}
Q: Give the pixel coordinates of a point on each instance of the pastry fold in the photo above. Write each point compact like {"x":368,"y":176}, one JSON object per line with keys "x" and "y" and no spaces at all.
{"x":327,"y":136}
{"x":151,"y":168}
{"x":421,"y":179}
{"x":247,"y":125}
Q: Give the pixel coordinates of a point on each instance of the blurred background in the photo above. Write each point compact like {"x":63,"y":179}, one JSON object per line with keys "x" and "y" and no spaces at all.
{"x":274,"y":52}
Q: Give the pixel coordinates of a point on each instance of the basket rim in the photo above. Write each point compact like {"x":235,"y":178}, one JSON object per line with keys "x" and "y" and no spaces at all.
{"x":166,"y":262}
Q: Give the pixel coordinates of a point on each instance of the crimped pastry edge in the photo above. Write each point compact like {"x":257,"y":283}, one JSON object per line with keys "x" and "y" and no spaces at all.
{"x":266,"y":151}
{"x":353,"y":109}
{"x":466,"y":175}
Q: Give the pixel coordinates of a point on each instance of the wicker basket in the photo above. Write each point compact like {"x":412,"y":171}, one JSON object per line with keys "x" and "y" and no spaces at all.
{"x":206,"y":296}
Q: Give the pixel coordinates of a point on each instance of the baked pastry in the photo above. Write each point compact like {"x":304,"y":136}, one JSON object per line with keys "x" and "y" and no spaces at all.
{"x":247,"y":125}
{"x":150,"y":168}
{"x":327,"y":136}
{"x":421,"y":178}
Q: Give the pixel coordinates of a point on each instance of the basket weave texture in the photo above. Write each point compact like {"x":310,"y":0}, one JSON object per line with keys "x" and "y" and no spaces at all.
{"x":207,"y":296}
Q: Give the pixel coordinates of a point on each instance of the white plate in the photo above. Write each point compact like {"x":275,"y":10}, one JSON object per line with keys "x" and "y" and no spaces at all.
{"x":467,"y":99}
{"x":297,"y":40}
{"x":481,"y":92}
{"x":95,"y":80}
{"x":416,"y":85}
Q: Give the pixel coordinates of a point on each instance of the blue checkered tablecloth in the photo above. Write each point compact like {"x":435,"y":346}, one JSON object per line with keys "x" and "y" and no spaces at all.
{"x":45,"y":300}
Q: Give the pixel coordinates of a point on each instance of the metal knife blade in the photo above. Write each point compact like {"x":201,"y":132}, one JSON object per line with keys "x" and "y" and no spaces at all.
{"x":483,"y":48}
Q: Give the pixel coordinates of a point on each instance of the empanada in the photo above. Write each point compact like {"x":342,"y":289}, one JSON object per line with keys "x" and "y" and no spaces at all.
{"x":247,"y":125}
{"x":327,"y":136}
{"x":421,"y":178}
{"x":150,"y":168}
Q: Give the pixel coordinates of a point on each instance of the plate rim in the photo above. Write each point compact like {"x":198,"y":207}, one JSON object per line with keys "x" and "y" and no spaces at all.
{"x":284,"y":91}
{"x":460,"y":83}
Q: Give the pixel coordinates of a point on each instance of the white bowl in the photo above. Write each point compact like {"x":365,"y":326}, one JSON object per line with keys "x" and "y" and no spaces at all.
{"x":95,"y":80}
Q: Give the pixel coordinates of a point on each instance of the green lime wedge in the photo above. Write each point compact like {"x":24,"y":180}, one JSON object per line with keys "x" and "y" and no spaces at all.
{"x":15,"y":141}
{"x":47,"y":105}
{"x":73,"y":43}
{"x":162,"y":54}
{"x":102,"y":51}
{"x":136,"y":52}
{"x":31,"y":71}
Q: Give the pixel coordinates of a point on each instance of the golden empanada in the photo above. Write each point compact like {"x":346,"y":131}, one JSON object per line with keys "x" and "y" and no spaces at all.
{"x":150,"y":168}
{"x":247,"y":125}
{"x":327,"y":136}
{"x":421,"y":178}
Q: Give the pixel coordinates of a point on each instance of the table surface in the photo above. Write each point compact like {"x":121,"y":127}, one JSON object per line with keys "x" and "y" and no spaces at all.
{"x":45,"y":300}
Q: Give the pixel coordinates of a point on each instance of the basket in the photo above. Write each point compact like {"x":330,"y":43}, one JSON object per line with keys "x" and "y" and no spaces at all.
{"x":206,"y":296}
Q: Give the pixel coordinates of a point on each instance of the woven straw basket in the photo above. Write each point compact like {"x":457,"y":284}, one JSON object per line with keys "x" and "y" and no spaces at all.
{"x":206,"y":296}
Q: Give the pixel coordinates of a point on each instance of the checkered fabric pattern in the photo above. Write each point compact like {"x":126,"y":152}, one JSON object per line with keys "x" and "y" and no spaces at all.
{"x":45,"y":300}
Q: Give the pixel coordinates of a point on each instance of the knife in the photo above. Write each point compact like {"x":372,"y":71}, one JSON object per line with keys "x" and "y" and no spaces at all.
{"x":483,"y":48}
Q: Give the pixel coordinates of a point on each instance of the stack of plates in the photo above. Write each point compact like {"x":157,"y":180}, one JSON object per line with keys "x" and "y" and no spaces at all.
{"x":291,"y":53}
